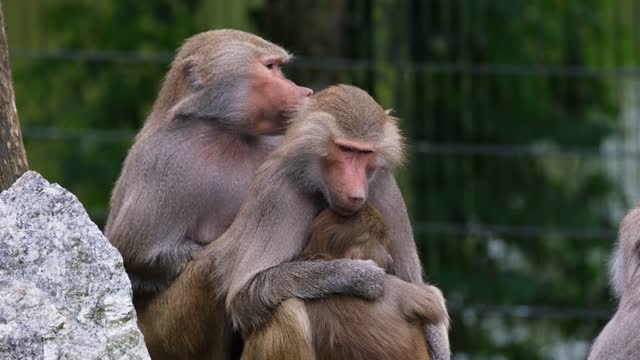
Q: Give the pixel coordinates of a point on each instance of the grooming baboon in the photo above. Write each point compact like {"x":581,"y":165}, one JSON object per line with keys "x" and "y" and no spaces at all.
{"x":339,"y":151}
{"x":343,"y":327}
{"x":620,"y":337}
{"x":183,"y":182}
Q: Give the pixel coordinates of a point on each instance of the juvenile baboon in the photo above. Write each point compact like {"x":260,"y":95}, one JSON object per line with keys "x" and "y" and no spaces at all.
{"x":339,"y":151}
{"x":619,"y":340}
{"x":185,"y":178}
{"x":343,"y":327}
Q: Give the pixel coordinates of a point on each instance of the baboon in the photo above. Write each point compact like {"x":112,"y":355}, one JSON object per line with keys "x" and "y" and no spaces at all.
{"x":339,"y":151}
{"x":343,"y":327}
{"x":619,"y":339}
{"x":185,"y":178}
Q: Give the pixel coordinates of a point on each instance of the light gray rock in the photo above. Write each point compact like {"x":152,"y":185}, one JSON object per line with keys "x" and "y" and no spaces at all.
{"x":63,"y":290}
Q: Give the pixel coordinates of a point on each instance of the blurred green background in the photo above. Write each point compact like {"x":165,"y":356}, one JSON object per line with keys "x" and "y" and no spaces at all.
{"x":522,"y":118}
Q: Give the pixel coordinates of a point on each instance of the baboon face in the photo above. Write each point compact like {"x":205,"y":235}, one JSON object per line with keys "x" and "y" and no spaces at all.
{"x":273,"y":96}
{"x":346,"y":171}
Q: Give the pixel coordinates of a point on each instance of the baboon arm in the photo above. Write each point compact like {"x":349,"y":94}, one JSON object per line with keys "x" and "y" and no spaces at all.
{"x":184,"y":320}
{"x":259,"y":246}
{"x":386,"y":197}
{"x":306,"y":280}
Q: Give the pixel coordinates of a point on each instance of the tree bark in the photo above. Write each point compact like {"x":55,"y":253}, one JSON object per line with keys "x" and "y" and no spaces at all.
{"x":13,"y":159}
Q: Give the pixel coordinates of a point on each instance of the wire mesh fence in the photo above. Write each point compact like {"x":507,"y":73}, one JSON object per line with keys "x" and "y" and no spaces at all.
{"x":521,"y":120}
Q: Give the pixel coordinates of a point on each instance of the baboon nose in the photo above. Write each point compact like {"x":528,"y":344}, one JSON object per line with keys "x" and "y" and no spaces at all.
{"x":356,"y":199}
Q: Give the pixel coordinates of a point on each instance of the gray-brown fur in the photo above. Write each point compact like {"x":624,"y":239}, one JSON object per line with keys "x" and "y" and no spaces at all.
{"x":183,"y":182}
{"x":187,"y":172}
{"x":255,"y":258}
{"x":286,"y":335}
{"x":619,"y":339}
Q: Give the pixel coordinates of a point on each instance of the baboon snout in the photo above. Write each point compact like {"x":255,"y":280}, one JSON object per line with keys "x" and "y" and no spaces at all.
{"x":356,"y":198}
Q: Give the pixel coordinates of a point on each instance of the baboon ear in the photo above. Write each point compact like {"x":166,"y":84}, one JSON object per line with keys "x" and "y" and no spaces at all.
{"x":191,"y":74}
{"x":393,"y":119}
{"x":206,"y":103}
{"x":221,"y":98}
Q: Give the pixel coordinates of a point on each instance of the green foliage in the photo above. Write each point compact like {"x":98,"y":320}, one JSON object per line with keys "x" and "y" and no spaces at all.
{"x":455,"y":73}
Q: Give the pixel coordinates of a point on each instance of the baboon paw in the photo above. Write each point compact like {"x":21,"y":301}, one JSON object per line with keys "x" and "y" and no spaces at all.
{"x":429,"y":305}
{"x":368,"y":279}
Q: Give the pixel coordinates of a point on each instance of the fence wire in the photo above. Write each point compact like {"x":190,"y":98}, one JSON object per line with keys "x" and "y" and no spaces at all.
{"x":481,"y":230}
{"x":114,"y":56}
{"x":418,"y":147}
{"x":423,"y":147}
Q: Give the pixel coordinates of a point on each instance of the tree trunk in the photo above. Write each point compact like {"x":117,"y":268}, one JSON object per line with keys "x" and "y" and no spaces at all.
{"x":13,"y":160}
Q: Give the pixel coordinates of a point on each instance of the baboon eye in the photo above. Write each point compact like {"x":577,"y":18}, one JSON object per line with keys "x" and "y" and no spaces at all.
{"x":347,"y":148}
{"x":270,"y":66}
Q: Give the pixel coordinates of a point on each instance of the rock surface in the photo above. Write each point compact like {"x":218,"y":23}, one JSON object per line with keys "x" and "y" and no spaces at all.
{"x":63,"y":290}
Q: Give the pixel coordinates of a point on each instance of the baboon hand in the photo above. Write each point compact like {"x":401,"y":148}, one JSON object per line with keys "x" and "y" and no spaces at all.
{"x":365,"y":278}
{"x":426,"y":303}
